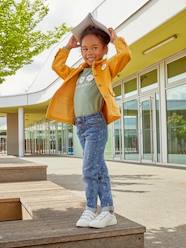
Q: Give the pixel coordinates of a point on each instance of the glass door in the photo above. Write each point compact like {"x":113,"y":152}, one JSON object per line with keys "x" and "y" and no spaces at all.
{"x":64,"y":139}
{"x":148,"y":129}
{"x":130,"y":123}
{"x":117,"y":139}
{"x":2,"y":144}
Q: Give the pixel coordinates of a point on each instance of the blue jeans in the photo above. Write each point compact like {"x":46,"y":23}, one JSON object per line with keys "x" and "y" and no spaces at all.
{"x":93,"y":134}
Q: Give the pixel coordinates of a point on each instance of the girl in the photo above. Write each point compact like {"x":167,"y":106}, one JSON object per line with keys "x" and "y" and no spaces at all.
{"x":86,"y":99}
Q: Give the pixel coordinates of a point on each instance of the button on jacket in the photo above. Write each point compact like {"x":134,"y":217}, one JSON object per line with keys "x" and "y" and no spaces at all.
{"x":61,"y":106}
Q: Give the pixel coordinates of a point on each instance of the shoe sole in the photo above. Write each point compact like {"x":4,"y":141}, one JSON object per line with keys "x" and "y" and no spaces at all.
{"x":82,"y":226}
{"x":110,"y":224}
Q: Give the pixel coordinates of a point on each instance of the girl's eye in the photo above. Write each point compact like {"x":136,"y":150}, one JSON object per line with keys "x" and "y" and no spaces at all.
{"x":84,"y":49}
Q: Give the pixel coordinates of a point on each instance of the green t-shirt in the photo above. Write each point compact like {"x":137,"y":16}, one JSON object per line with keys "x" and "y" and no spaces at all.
{"x":87,"y":98}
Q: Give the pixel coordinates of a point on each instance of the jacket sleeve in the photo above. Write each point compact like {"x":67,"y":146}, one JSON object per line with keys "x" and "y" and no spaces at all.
{"x":59,"y":65}
{"x":120,"y":60}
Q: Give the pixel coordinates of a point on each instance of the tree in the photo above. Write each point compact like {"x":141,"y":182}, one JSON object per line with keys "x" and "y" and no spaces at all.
{"x":177,"y":124}
{"x":20,"y":40}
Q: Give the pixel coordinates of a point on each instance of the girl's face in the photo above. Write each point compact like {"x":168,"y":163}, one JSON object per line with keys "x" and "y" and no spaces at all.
{"x":92,"y":49}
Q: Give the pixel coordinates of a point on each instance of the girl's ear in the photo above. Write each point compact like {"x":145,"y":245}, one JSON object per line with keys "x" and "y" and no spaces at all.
{"x":106,"y":50}
{"x":105,"y":53}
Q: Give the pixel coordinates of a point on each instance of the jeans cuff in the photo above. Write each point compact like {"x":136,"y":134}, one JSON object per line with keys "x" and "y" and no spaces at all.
{"x":108,"y":208}
{"x":91,"y":209}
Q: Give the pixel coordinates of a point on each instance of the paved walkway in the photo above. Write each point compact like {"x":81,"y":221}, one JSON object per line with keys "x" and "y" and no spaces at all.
{"x":152,"y":196}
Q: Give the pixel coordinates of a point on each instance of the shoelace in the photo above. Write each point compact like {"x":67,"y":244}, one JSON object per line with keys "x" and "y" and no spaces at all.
{"x":102,"y":215}
{"x":87,"y":214}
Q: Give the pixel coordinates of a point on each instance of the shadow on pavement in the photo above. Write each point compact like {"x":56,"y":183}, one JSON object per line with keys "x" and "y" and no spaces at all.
{"x":166,"y":237}
{"x":71,"y":182}
{"x":75,"y":182}
{"x":154,"y":238}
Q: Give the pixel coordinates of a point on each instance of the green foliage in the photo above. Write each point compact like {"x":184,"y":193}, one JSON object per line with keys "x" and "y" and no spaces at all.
{"x":177,"y":123}
{"x":20,"y":41}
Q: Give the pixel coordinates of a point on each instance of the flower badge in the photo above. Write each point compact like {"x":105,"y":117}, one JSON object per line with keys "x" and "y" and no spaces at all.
{"x":81,"y":80}
{"x":103,"y":67}
{"x":89,"y":78}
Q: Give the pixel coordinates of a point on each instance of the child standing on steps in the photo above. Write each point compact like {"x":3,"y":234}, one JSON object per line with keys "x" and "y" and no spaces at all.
{"x":86,"y":99}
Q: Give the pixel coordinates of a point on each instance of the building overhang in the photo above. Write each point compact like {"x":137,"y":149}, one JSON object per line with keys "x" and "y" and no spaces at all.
{"x":36,"y":103}
{"x":166,"y":40}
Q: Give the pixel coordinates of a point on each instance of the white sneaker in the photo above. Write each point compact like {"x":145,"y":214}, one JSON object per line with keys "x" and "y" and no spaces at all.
{"x":105,"y":218}
{"x":86,"y":217}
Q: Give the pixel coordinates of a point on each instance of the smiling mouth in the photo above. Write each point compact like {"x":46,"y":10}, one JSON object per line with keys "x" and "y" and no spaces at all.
{"x":90,"y":59}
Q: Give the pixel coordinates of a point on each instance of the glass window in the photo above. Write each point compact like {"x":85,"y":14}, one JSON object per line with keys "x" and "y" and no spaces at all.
{"x":117,"y":124}
{"x":70,"y":140}
{"x":147,"y":130}
{"x":59,"y":137}
{"x":49,"y":138}
{"x":3,"y":138}
{"x":117,"y":138}
{"x":149,"y":81}
{"x":130,"y":118}
{"x":67,"y":139}
{"x":176,"y":124}
{"x":176,"y":70}
{"x":158,"y":126}
{"x":52,"y":138}
{"x":130,"y":87}
{"x":117,"y":91}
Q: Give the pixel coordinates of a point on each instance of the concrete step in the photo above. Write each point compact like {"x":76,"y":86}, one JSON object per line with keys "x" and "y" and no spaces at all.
{"x":49,"y":213}
{"x":18,"y":170}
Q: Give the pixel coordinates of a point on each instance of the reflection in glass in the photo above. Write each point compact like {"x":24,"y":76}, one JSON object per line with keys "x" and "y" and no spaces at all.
{"x":3,"y":135}
{"x":70,"y":140}
{"x":149,"y":81}
{"x":67,"y":139}
{"x":147,"y":130}
{"x":3,"y":142}
{"x":117,"y":137}
{"x":176,"y":124}
{"x":52,"y":138}
{"x":130,"y":87}
{"x":117,"y":91}
{"x":49,"y":138}
{"x":158,"y":126}
{"x":176,"y":70}
{"x":59,"y":138}
{"x":117,"y":124}
{"x":130,"y":119}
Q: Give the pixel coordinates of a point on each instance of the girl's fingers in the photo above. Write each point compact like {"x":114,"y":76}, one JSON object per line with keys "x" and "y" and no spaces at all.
{"x":110,"y":29}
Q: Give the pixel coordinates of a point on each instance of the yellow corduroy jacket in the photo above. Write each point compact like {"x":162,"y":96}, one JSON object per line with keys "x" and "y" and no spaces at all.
{"x":61,"y":106}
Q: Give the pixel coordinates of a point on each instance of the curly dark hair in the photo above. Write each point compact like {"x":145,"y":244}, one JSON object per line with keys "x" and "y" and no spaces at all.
{"x":103,"y":36}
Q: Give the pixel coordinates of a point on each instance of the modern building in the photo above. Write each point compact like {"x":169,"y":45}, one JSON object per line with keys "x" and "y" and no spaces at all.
{"x":151,"y":91}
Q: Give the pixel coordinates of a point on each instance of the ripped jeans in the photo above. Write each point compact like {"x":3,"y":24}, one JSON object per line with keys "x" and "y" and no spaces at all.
{"x":93,"y":134}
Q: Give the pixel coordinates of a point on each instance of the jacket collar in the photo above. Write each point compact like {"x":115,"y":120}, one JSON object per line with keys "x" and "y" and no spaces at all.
{"x":84,"y":65}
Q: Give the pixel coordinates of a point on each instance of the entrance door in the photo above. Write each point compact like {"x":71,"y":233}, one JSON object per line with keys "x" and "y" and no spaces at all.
{"x":148,"y":129}
{"x":64,"y":140}
{"x":131,"y":132}
{"x":2,"y":144}
{"x":117,"y":139}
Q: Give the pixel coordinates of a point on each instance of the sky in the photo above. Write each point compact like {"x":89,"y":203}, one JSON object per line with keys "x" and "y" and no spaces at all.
{"x":38,"y":75}
{"x":60,"y":11}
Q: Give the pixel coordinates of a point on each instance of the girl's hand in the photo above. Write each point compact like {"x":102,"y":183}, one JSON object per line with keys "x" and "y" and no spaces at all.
{"x":112,"y":34}
{"x":72,"y":43}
